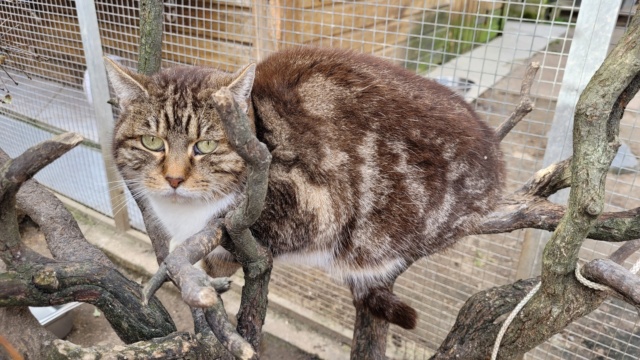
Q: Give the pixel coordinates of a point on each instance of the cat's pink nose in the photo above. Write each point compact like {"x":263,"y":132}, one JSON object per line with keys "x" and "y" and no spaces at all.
{"x":174,"y":181}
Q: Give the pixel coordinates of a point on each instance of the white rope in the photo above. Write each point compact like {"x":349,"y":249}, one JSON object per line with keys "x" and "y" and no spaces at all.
{"x":507,"y":322}
{"x":584,"y":281}
{"x":588,"y":283}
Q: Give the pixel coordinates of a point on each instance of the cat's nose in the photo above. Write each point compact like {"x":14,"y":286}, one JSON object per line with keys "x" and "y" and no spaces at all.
{"x":174,"y":181}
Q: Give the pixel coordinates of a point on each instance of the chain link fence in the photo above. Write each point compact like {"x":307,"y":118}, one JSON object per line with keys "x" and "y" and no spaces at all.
{"x":479,"y":48}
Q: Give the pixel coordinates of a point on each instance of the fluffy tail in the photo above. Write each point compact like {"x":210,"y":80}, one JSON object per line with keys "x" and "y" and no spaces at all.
{"x":384,"y":304}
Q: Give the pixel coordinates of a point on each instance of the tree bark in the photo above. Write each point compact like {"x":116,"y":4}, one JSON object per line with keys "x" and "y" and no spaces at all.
{"x":561,"y":299}
{"x":151,"y":24}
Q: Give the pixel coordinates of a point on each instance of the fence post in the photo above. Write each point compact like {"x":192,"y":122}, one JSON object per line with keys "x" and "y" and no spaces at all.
{"x":589,"y":47}
{"x":92,"y":45}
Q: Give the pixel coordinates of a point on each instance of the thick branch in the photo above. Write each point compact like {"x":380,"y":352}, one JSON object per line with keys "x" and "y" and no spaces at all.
{"x":104,"y":287}
{"x":173,"y":346}
{"x":150,"y":52}
{"x":62,"y":233}
{"x":13,"y":173}
{"x":561,"y":299}
{"x":476,"y":327}
{"x":615,"y":276}
{"x":256,"y":260}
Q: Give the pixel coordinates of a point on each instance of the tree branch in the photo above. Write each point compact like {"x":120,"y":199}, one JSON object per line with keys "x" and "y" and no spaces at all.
{"x":256,"y":260}
{"x":13,"y":173}
{"x":616,"y":277}
{"x":561,"y":299}
{"x":116,"y":296}
{"x":151,"y":25}
{"x":524,"y":107}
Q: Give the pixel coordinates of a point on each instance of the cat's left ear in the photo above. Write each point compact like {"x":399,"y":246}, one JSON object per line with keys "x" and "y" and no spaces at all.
{"x":241,"y":87}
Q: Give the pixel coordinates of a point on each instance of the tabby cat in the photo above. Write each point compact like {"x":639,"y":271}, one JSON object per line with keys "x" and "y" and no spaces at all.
{"x":373,"y":166}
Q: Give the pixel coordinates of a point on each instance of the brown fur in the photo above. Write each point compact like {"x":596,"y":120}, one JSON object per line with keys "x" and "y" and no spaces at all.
{"x":373,"y":167}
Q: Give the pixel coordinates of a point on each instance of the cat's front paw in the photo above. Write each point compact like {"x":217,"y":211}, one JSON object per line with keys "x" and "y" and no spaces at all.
{"x":221,"y":284}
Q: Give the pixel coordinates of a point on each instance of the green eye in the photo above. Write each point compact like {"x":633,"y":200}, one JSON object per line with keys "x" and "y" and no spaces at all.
{"x":205,"y":147}
{"x":152,"y":143}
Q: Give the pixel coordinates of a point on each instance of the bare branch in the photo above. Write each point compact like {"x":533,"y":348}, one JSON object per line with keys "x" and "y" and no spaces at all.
{"x":62,"y":233}
{"x":524,"y":107}
{"x":225,"y":333}
{"x":13,"y":173}
{"x":256,"y":260}
{"x":17,"y":171}
{"x":173,"y":346}
{"x":624,"y":251}
{"x":616,"y":277}
{"x":549,"y":180}
{"x":197,"y":288}
{"x":106,"y":288}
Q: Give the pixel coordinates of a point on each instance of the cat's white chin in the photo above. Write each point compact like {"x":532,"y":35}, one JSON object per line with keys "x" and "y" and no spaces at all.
{"x":187,"y":216}
{"x":177,"y":196}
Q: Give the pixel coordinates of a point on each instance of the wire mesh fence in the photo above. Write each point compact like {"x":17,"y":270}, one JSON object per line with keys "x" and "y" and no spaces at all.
{"x":479,"y":48}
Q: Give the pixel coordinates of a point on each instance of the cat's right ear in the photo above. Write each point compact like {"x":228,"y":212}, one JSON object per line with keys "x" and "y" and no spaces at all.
{"x":127,"y":85}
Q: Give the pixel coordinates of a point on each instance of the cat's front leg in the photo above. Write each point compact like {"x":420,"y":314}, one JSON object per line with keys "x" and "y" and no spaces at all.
{"x":220,"y":263}
{"x":221,"y":282}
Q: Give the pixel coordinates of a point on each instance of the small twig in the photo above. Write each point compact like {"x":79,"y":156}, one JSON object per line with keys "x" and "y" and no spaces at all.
{"x":524,"y":107}
{"x":154,"y":283}
{"x":549,"y":180}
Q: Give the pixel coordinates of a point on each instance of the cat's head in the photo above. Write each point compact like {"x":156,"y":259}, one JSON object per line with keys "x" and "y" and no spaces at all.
{"x":168,"y":142}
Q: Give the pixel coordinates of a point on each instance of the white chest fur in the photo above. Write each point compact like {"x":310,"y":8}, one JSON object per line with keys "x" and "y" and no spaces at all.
{"x":182,"y":220}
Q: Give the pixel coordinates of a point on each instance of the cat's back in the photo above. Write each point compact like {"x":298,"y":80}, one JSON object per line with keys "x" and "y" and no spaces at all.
{"x":356,"y":140}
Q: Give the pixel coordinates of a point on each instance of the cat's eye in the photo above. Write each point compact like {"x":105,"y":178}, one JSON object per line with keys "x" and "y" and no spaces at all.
{"x":152,"y":143}
{"x":205,"y":147}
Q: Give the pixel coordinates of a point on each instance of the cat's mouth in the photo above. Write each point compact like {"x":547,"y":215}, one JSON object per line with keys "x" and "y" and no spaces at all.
{"x":178,"y":196}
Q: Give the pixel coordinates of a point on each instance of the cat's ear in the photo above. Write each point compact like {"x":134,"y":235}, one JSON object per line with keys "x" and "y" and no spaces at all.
{"x":241,"y":87}
{"x":127,"y":85}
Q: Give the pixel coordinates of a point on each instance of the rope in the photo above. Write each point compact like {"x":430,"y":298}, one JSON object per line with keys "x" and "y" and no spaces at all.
{"x":588,"y":283}
{"x":507,"y":322}
{"x":584,"y":281}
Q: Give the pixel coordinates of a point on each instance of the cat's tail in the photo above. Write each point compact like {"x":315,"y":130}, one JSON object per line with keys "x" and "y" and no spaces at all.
{"x":384,"y":304}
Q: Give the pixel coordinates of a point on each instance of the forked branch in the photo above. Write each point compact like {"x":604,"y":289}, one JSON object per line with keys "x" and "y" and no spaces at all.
{"x":524,"y":107}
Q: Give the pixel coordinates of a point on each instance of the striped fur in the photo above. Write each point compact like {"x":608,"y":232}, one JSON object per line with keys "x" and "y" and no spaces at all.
{"x":373,"y":167}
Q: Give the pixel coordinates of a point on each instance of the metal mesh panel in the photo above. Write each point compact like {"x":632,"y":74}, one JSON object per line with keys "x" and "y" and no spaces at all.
{"x":48,"y":96}
{"x":479,"y":48}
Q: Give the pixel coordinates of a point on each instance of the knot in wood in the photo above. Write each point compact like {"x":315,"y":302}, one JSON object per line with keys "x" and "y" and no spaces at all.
{"x":46,"y":278}
{"x":593,"y":209}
